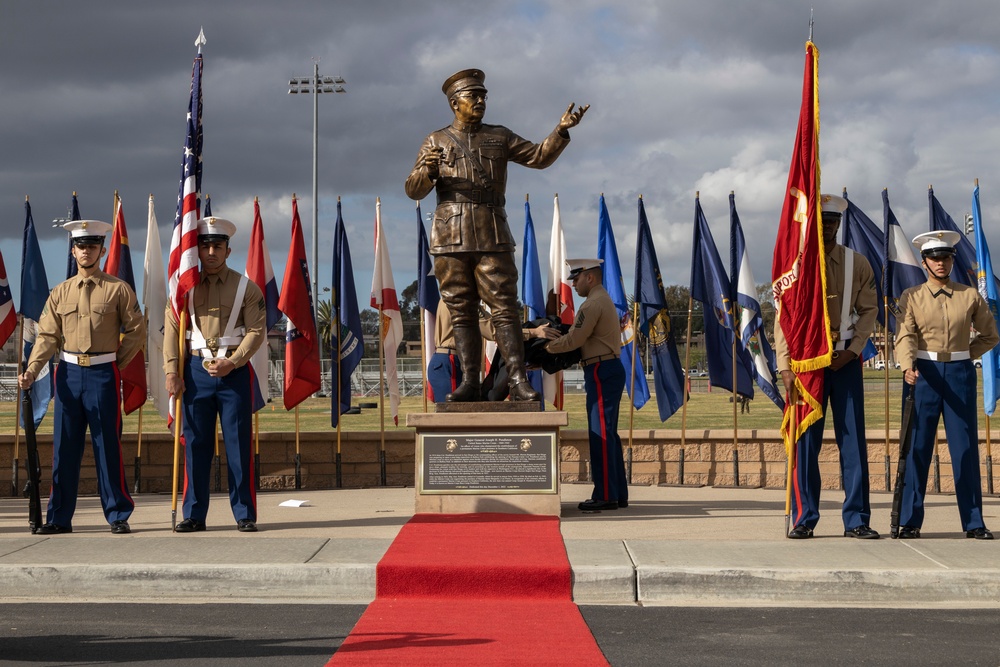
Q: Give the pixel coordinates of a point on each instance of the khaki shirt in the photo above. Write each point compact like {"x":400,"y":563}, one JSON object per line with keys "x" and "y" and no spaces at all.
{"x":596,"y":331}
{"x":444,"y":332}
{"x":111,"y":313}
{"x":942,"y":323}
{"x":864,"y":304}
{"x":212,"y":322}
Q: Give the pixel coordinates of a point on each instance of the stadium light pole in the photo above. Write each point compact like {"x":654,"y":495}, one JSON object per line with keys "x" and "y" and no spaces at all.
{"x":316,"y":85}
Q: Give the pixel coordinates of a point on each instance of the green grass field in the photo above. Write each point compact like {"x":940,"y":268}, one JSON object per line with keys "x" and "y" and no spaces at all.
{"x":706,"y":410}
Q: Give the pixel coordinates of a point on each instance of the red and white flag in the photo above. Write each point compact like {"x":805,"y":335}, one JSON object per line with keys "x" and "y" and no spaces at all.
{"x":154,"y":300}
{"x":302,"y":366}
{"x":182,"y":266}
{"x":260,"y":272}
{"x":384,"y":299}
{"x":119,"y":264}
{"x":8,"y":316}
{"x":559,"y":298}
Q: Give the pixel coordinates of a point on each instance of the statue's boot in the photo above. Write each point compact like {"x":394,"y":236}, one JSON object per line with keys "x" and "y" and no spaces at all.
{"x":469,"y":345}
{"x":511,"y":343}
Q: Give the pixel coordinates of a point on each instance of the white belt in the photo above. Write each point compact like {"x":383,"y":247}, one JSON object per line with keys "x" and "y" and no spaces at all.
{"x":842,"y":344}
{"x":943,"y":356}
{"x":201,"y":343}
{"x":88,"y":359}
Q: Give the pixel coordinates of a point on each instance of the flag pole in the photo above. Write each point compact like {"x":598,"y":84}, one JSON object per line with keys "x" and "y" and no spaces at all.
{"x":631,"y":391}
{"x":885,"y":355}
{"x":15,"y":468}
{"x":298,"y":455}
{"x":792,"y":402}
{"x":736,"y":451}
{"x":687,"y":371}
{"x":989,"y":459}
{"x":218,"y":459}
{"x":381,"y":394}
{"x":137,"y":468}
{"x":423,"y":358}
{"x":256,"y":445}
{"x":340,"y":416}
{"x":178,"y":419}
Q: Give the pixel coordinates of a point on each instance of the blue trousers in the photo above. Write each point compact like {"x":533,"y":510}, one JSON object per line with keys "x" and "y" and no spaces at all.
{"x":444,"y":374}
{"x":843,"y":391}
{"x":949,"y":389}
{"x":228,"y":398}
{"x":88,"y":396}
{"x":604,"y":383}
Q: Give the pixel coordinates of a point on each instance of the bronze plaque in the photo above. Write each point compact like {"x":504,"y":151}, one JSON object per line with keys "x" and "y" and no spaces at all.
{"x":487,"y":463}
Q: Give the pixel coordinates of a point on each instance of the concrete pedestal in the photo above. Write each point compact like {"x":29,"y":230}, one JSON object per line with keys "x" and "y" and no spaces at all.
{"x":464,"y":425}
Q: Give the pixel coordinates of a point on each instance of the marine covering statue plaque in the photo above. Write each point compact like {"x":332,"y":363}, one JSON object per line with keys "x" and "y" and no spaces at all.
{"x":473,"y":249}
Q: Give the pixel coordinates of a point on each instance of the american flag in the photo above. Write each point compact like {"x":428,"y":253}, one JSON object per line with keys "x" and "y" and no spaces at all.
{"x":8,"y":317}
{"x":182,"y":267}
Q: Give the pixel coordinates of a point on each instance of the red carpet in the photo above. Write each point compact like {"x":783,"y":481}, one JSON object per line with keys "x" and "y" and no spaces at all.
{"x":473,"y":589}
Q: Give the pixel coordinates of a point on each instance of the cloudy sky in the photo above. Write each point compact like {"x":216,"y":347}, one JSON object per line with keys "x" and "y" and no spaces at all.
{"x":685,"y":95}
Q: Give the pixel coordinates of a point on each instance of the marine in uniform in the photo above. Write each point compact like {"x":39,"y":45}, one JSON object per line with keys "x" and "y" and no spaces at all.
{"x":852,"y":307}
{"x":934,"y":347}
{"x":93,"y":320}
{"x":225,"y":328}
{"x":471,"y":241}
{"x":596,"y":332}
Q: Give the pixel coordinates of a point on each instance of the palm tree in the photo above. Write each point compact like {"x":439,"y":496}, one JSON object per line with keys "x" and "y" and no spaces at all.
{"x":325,"y":326}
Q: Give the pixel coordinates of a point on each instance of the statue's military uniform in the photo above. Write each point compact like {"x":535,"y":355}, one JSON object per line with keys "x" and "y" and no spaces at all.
{"x":471,"y":241}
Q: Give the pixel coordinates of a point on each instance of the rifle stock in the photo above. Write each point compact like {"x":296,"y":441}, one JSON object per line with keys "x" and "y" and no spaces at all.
{"x":905,"y":433}
{"x":32,"y":489}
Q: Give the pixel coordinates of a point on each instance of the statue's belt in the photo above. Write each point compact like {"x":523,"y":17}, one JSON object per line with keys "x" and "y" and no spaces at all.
{"x":487,"y":197}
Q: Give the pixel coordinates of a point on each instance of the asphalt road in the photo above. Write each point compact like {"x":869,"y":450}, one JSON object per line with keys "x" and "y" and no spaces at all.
{"x":292,"y":635}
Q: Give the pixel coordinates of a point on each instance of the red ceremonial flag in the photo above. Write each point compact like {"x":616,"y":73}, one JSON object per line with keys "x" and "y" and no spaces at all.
{"x":8,"y":316}
{"x":119,"y":264}
{"x":798,"y":273}
{"x":302,"y":369}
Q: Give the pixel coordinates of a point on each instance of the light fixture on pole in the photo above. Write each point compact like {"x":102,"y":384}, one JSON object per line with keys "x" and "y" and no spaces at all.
{"x":315,"y":85}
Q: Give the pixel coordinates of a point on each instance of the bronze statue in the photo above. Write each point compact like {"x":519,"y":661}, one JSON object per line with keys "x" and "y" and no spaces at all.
{"x":471,"y":242}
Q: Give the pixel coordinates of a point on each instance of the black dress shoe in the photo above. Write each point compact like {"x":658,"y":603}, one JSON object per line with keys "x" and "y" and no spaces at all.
{"x":622,"y":504}
{"x":120,"y":527}
{"x":54,"y":529}
{"x":862,"y":532}
{"x":909,"y":533}
{"x":189,"y":526}
{"x":246,"y":526}
{"x":597,"y":505}
{"x":800,"y":532}
{"x":979,"y":534}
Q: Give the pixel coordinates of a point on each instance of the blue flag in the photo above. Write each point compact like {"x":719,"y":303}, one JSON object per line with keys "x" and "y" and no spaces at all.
{"x":34,"y":293}
{"x":532,"y":295}
{"x":346,"y":338}
{"x":902,"y":268}
{"x":862,"y":236}
{"x":711,"y":286}
{"x":615,"y":285}
{"x":654,"y":323}
{"x":427,"y":287}
{"x":749,"y":321}
{"x":74,"y":214}
{"x":988,"y":290}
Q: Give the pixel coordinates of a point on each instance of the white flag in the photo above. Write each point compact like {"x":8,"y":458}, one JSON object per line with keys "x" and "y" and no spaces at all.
{"x":385,"y":300}
{"x":154,"y":300}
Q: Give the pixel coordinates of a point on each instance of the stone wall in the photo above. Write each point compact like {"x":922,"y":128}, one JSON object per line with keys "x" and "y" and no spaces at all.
{"x":655,"y":456}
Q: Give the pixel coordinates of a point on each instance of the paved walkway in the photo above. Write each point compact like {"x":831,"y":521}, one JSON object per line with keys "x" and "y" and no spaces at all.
{"x":672,"y":546}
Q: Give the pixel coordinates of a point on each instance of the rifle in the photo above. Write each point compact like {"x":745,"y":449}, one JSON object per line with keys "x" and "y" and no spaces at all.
{"x":31,"y":489}
{"x":905,"y":435}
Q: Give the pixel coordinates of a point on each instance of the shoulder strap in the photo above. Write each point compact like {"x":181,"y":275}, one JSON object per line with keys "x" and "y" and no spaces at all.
{"x":846,"y":325}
